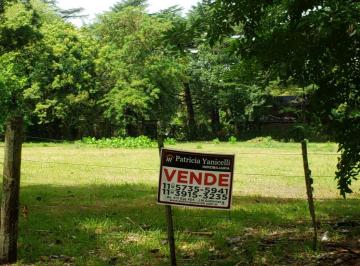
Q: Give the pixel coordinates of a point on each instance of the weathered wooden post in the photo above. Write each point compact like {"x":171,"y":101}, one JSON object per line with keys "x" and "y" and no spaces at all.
{"x":170,"y":231}
{"x":11,"y":189}
{"x":309,"y":190}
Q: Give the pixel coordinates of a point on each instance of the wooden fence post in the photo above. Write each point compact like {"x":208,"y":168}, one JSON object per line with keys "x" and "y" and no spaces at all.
{"x":309,"y":190}
{"x":11,"y":190}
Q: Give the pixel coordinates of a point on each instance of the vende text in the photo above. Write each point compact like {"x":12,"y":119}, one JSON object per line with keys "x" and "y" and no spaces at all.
{"x":196,"y":177}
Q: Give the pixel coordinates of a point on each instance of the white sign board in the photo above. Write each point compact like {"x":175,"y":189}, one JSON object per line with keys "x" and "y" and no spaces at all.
{"x":196,"y":179}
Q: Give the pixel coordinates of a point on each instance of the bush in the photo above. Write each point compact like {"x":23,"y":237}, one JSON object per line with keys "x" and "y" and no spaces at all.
{"x":216,"y":141}
{"x":128,"y":142}
{"x":170,"y":141}
{"x":232,"y":140}
{"x":267,"y":140}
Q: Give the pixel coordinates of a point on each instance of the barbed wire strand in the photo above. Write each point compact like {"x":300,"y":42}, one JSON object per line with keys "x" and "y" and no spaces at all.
{"x":241,"y":153}
{"x":179,"y":213}
{"x":229,"y":217}
{"x":153,"y":169}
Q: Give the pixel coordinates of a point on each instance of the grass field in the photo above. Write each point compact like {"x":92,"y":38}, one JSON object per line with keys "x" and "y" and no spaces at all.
{"x":97,"y":206}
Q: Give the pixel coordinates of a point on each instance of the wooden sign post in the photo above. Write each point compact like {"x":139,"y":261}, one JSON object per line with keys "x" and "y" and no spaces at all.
{"x":193,"y":179}
{"x":170,"y":232}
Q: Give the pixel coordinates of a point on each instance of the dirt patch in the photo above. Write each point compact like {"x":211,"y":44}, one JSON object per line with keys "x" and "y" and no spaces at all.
{"x":340,"y":253}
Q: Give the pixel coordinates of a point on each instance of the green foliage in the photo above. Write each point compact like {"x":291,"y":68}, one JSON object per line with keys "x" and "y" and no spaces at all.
{"x":126,"y":71}
{"x":216,"y":141}
{"x":265,"y":140}
{"x":121,"y":5}
{"x":18,"y":32}
{"x":18,"y":25}
{"x":128,"y":142}
{"x":13,"y":81}
{"x":232,"y":140}
{"x":62,"y":85}
{"x":230,"y":90}
{"x":141,"y":79}
{"x":51,"y":81}
{"x":170,"y":141}
{"x":310,"y":42}
{"x":132,"y":73}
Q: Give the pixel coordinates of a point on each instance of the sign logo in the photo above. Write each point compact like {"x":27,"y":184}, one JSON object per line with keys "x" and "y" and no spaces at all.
{"x":169,"y":158}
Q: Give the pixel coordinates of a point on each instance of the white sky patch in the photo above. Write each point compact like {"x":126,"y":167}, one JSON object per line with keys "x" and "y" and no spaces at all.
{"x":92,"y":8}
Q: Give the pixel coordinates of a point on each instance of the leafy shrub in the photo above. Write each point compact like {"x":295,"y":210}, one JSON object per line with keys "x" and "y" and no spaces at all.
{"x":128,"y":142}
{"x":216,"y":141}
{"x":298,"y":132}
{"x":88,"y":140}
{"x":170,"y":141}
{"x":267,"y":139}
{"x":232,"y":140}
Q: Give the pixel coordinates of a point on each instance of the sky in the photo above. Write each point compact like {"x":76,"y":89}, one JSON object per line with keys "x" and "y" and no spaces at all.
{"x":92,"y":7}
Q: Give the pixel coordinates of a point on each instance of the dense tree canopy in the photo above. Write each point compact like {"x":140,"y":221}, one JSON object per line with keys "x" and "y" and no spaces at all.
{"x":310,"y":42}
{"x":48,"y":79}
{"x":140,"y":78}
{"x":18,"y":31}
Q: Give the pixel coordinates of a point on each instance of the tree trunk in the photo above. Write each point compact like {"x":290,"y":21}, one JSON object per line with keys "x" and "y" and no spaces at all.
{"x":160,"y":135}
{"x":11,"y":189}
{"x":192,"y":134}
{"x":237,"y":128}
{"x":215,"y":121}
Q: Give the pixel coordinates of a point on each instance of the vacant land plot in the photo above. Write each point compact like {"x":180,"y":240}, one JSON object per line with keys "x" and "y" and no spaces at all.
{"x":85,"y":205}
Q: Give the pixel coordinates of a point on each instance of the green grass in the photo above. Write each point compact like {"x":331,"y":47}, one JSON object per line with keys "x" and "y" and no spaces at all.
{"x":97,"y":206}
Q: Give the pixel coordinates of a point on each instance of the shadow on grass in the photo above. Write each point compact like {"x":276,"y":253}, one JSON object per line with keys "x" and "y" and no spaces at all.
{"x":116,"y":225}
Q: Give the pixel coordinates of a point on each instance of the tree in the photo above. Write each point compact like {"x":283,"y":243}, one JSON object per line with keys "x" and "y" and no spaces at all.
{"x":313,"y":42}
{"x":180,"y":39}
{"x":183,"y":38}
{"x":214,"y":79}
{"x":62,"y":91}
{"x":129,"y":3}
{"x":18,"y":29}
{"x":54,"y":86}
{"x":230,"y":90}
{"x":140,"y":78}
{"x":64,"y":13}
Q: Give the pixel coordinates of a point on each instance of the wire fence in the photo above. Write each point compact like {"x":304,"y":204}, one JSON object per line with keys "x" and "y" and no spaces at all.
{"x":27,"y":137}
{"x":152,"y":169}
{"x":68,"y":200}
{"x":128,"y":175}
{"x":47,"y":164}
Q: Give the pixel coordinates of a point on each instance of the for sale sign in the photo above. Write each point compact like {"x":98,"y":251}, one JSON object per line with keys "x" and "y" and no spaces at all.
{"x":195,"y":179}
